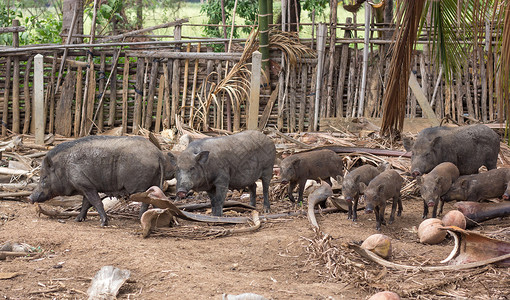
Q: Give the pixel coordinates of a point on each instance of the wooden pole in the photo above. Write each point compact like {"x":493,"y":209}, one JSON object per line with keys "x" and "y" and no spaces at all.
{"x":7,"y":89}
{"x":193,"y":89}
{"x":332,"y":42}
{"x":77,"y":106}
{"x":253,"y":108}
{"x":159,"y":107}
{"x":15,"y":83}
{"x":125,"y":90}
{"x":39,"y":99}
{"x":26,"y":92}
{"x":366,"y":45}
{"x":321,"y":46}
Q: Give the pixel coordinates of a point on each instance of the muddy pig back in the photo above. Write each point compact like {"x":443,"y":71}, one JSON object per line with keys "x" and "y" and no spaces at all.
{"x":468,"y":147}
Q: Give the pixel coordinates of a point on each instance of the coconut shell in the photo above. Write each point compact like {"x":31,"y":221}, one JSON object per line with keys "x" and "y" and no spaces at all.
{"x":380,"y":244}
{"x":455,"y":218}
{"x":430,"y":231}
{"x":386,"y":295}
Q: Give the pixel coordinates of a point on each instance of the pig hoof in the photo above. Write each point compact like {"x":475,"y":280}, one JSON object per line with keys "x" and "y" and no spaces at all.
{"x":349,"y":217}
{"x":104,"y":224}
{"x":79,"y":219}
{"x":354,"y":219}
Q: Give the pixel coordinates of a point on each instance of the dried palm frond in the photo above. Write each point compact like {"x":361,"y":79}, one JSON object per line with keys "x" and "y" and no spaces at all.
{"x":394,"y":99}
{"x":237,"y":82}
{"x":289,"y":43}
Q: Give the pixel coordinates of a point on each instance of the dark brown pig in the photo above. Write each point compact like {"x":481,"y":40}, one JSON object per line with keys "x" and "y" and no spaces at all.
{"x":354,"y":184}
{"x":115,"y":165}
{"x":383,"y":187}
{"x":318,"y":164}
{"x":477,"y":187}
{"x":216,"y":164}
{"x":435,"y":184}
{"x":467,"y":147}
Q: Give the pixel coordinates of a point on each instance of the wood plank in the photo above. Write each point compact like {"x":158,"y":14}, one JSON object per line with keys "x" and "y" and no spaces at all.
{"x":253,"y":104}
{"x":185,"y":88}
{"x":125,"y":89}
{"x":50,"y":94}
{"x":422,"y":100}
{"x":175,"y":91}
{"x":302,"y":99}
{"x":79,"y":97}
{"x":90,"y":102}
{"x":7,"y":92}
{"x":269,"y":107}
{"x":64,"y":106}
{"x":26,"y":94}
{"x":112,"y":107}
{"x":101,"y":88}
{"x":292,"y":99}
{"x":15,"y":96}
{"x":159,"y":106}
{"x":194,"y":89}
{"x":167,"y":72}
{"x":151,"y":93}
{"x":137,"y":114}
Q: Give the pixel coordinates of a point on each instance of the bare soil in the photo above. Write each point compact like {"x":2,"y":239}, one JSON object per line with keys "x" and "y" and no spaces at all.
{"x":278,"y":261}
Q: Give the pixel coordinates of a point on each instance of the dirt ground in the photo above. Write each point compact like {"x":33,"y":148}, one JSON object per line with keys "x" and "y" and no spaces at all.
{"x":276,"y":261}
{"x":284,"y":259}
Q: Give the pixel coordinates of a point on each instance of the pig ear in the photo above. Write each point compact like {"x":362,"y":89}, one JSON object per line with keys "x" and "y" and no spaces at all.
{"x":357,"y":178}
{"x":362,"y":187}
{"x":419,"y":180}
{"x":435,"y":141}
{"x":202,"y":157}
{"x":408,"y":144}
{"x":173,"y":158}
{"x":295,"y":163}
{"x":339,"y":179}
{"x":47,"y":162}
{"x":380,"y":189}
{"x":464,"y":184}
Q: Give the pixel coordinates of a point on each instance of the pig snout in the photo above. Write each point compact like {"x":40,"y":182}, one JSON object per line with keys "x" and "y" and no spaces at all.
{"x":284,"y":181}
{"x":369,"y":209}
{"x":506,"y":196}
{"x":182,"y":194}
{"x":36,"y":196}
{"x":348,"y":199}
{"x":431,"y":203}
{"x":416,"y":173}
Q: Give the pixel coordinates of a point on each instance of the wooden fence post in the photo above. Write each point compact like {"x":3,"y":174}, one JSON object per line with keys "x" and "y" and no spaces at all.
{"x":321,"y":46}
{"x":253,"y":106}
{"x":39,"y":99}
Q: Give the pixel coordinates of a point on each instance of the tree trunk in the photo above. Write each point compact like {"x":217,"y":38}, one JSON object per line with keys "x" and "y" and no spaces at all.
{"x":139,"y":14}
{"x":68,"y":7}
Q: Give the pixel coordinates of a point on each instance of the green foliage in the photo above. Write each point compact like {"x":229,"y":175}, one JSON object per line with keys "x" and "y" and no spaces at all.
{"x":38,"y":29}
{"x":246,"y":9}
{"x":319,"y":6}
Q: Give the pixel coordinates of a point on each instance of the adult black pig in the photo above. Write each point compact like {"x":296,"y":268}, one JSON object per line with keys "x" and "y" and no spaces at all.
{"x":216,"y":164}
{"x":468,"y":147}
{"x":115,"y":165}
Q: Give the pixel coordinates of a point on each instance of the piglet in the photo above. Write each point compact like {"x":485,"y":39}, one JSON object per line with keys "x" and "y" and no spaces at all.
{"x":435,"y":184}
{"x":319,"y":164}
{"x":383,"y":187}
{"x":354,"y":184}
{"x":477,"y":187}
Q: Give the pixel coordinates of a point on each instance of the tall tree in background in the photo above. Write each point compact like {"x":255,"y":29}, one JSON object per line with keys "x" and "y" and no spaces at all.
{"x":68,"y":7}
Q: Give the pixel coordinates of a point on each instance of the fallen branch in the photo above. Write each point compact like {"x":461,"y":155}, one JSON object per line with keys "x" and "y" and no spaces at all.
{"x":381,"y":261}
{"x":288,"y":138}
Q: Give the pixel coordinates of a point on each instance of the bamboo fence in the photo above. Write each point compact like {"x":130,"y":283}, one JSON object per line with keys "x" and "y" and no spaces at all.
{"x":151,"y":84}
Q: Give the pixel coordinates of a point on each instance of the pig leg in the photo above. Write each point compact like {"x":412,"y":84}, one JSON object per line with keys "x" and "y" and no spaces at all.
{"x":292,"y":185}
{"x":328,"y":180}
{"x":301,"y":189}
{"x":85,"y":205}
{"x":400,"y":208}
{"x":441,"y":204}
{"x":218,"y":199}
{"x":266,"y":180}
{"x":393,"y":209}
{"x":353,"y":209}
{"x":94,"y":199}
{"x":434,"y":212}
{"x":425,"y":210}
{"x":253,"y":194}
{"x":379,"y":216}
